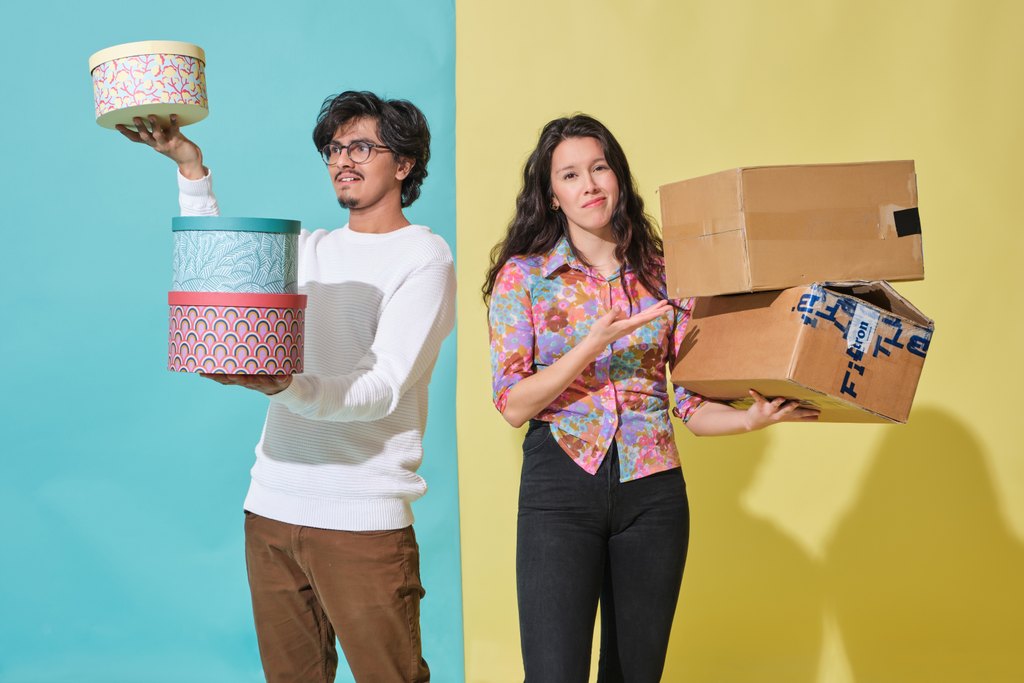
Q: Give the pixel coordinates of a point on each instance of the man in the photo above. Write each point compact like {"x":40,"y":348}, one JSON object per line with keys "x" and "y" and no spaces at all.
{"x":330,"y":548}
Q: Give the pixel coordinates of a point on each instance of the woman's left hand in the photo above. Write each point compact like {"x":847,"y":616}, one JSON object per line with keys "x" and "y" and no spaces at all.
{"x":764,"y":412}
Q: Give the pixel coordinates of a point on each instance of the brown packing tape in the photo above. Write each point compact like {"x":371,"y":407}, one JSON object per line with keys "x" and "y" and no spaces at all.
{"x":704,"y":228}
{"x":850,"y":223}
{"x":728,"y":263}
{"x":776,"y":264}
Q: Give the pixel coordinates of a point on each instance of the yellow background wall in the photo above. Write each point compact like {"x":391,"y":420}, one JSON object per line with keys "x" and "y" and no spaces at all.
{"x":818,"y":552}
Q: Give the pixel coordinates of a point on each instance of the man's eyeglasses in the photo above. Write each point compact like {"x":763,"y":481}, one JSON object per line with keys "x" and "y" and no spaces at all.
{"x":359,"y":151}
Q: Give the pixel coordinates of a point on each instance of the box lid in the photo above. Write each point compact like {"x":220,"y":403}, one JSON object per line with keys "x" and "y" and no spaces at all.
{"x":146,"y":47}
{"x":242,"y":300}
{"x":235,"y":224}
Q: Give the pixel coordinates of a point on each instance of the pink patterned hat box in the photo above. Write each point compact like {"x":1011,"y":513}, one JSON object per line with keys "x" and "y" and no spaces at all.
{"x":236,"y":334}
{"x":153,"y":77}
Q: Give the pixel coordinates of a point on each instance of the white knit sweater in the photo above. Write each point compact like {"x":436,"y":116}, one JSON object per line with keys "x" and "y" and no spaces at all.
{"x":341,"y":445}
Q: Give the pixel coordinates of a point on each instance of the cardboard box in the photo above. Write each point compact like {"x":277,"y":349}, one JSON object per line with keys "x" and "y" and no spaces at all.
{"x":772,"y":227}
{"x":854,"y":350}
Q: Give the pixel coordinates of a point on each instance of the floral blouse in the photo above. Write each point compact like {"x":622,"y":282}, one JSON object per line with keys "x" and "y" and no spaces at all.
{"x":541,"y":307}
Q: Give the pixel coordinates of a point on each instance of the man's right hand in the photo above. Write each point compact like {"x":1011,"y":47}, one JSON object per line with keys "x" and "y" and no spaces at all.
{"x":169,"y":141}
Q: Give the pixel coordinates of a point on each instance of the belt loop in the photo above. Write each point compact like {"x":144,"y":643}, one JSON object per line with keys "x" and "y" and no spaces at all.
{"x":613,"y":464}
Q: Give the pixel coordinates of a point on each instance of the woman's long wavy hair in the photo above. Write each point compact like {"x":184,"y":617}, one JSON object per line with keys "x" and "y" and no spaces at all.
{"x":536,"y":228}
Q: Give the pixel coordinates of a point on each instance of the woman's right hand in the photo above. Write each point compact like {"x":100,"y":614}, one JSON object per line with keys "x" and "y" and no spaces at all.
{"x":614,"y":324}
{"x":534,"y":393}
{"x":169,"y":141}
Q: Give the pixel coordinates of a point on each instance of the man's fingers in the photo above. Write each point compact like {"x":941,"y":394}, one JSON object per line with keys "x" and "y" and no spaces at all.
{"x":219,"y":379}
{"x":128,"y":133}
{"x":158,"y":130}
{"x":144,"y":132}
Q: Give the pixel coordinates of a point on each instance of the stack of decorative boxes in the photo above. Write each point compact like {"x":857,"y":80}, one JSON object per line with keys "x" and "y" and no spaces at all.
{"x":788,"y":266}
{"x":233,"y":305}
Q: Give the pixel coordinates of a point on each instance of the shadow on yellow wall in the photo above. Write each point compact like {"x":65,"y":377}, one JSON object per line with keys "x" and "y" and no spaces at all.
{"x":922,"y":578}
{"x":926,"y":580}
{"x":751,"y":602}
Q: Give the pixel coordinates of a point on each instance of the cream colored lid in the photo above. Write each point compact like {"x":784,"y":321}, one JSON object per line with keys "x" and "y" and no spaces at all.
{"x":146,"y":47}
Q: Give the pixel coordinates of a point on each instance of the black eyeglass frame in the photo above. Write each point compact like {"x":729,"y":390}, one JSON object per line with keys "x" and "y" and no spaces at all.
{"x":370,"y":147}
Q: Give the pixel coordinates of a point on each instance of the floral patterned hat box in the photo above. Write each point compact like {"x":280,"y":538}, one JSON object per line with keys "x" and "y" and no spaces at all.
{"x":233,"y":305}
{"x":155,"y":77}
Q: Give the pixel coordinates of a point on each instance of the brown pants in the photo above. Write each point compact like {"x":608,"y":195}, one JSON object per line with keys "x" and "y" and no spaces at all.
{"x":309,"y":584}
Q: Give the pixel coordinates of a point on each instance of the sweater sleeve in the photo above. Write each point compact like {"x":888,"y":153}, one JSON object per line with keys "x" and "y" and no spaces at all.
{"x":196,"y":198}
{"x":414,"y":322}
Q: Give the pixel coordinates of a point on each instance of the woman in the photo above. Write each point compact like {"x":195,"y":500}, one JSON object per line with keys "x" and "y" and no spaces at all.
{"x":581,"y":335}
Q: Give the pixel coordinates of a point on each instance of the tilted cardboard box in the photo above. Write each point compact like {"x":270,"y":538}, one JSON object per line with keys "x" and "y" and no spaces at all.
{"x":855,"y":350}
{"x":772,"y":227}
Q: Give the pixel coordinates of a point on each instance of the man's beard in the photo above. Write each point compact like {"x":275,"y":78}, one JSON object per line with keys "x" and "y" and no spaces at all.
{"x":348,"y":203}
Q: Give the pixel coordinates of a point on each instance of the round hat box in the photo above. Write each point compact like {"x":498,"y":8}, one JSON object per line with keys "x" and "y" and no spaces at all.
{"x":226,"y":254}
{"x":236,"y":334}
{"x":158,"y":77}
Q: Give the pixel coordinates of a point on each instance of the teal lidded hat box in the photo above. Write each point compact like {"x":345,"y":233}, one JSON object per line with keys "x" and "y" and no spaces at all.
{"x":225,"y":254}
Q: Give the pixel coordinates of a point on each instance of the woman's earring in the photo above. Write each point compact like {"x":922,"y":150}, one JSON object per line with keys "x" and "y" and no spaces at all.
{"x":554,"y":206}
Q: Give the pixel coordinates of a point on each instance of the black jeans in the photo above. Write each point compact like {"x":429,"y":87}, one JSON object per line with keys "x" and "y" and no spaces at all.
{"x":582,"y":538}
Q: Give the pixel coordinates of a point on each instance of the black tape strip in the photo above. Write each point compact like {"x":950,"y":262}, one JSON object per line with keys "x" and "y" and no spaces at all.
{"x":908,"y":222}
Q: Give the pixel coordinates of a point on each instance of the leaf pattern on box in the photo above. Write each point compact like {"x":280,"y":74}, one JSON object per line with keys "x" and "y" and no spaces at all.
{"x":223,"y":261}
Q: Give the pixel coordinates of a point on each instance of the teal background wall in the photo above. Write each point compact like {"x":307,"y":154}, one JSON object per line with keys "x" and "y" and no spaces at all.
{"x":121,"y":484}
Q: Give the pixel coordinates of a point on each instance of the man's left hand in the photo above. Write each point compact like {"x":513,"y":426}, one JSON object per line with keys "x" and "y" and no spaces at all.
{"x":266,"y":384}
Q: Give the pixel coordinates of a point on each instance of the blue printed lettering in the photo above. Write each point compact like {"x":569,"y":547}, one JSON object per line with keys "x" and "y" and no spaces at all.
{"x":806,"y":303}
{"x":848,"y":386}
{"x":918,"y":345}
{"x":829,"y":314}
{"x":893,"y":341}
{"x":855,"y":353}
